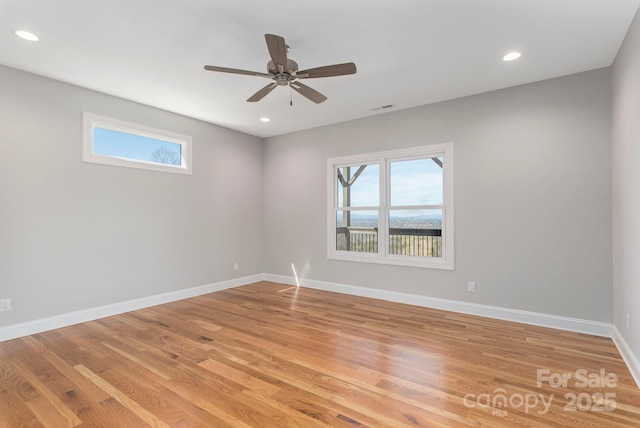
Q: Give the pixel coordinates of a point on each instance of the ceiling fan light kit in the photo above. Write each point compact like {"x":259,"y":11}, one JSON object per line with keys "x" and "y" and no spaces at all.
{"x":284,"y":72}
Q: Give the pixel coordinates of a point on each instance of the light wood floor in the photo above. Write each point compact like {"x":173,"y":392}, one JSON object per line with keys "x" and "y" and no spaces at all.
{"x":270,"y":355}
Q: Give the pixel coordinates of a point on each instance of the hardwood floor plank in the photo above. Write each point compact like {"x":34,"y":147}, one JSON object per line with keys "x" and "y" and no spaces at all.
{"x":121,"y":415}
{"x":122,"y":398}
{"x":87,"y":405}
{"x":13,"y":382}
{"x":50,"y":414}
{"x":162,"y":402}
{"x":144,"y":363}
{"x":15,"y":413}
{"x":295,"y":417}
{"x":47,"y":402}
{"x":246,"y":380}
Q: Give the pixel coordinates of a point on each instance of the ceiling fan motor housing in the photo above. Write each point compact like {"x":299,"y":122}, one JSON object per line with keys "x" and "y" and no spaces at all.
{"x":287,"y":75}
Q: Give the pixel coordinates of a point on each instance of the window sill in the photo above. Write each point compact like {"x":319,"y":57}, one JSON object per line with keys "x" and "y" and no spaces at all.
{"x":419,"y":262}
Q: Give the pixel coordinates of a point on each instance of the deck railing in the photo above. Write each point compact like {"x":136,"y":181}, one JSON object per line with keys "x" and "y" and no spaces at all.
{"x":402,"y":241}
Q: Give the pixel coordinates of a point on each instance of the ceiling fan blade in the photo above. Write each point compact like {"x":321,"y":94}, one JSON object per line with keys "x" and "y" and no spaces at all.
{"x":236,"y":71}
{"x":308,"y":92}
{"x":328,"y":71}
{"x":278,"y":50}
{"x":262,"y":93}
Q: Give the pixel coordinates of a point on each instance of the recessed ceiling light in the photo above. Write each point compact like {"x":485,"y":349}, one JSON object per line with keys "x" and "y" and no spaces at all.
{"x":265,"y":119}
{"x":511,"y":56}
{"x":26,"y":35}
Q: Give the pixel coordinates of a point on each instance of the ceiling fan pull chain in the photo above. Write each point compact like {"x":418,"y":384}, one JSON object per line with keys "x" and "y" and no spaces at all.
{"x":290,"y":96}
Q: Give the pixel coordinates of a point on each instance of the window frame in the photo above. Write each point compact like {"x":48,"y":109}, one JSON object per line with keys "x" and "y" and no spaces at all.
{"x":92,"y":121}
{"x":384,"y":159}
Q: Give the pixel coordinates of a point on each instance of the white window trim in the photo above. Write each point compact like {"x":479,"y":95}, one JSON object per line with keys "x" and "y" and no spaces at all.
{"x":445,"y":262}
{"x":91,"y":121}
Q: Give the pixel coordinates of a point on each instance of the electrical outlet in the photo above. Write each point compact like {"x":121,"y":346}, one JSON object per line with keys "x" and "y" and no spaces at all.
{"x":471,"y":287}
{"x":628,"y":322}
{"x":5,"y":305}
{"x":236,"y":266}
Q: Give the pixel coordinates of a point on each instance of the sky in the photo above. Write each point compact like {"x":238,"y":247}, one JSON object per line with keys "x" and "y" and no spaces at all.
{"x":416,"y":182}
{"x":120,"y":144}
{"x":413,"y":182}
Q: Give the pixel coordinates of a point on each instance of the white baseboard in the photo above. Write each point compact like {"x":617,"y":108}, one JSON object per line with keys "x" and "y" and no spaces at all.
{"x":535,"y":318}
{"x":627,"y":355}
{"x":526,"y":317}
{"x":64,"y":320}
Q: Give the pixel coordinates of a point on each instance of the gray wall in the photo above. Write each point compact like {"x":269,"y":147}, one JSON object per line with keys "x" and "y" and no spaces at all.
{"x":626,"y":187}
{"x":76,"y":235}
{"x":532,"y":194}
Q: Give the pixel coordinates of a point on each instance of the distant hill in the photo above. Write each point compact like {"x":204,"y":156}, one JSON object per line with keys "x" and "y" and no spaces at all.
{"x":409,"y":222}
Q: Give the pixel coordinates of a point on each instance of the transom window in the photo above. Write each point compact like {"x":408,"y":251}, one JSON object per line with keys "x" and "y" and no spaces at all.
{"x":392,"y":207}
{"x":115,"y":142}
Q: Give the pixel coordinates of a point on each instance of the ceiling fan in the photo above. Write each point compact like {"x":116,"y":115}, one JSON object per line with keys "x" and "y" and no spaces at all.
{"x":284,"y":72}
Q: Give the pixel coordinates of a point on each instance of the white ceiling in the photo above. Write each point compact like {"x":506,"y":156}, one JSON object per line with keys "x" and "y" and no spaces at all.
{"x":408,"y":52}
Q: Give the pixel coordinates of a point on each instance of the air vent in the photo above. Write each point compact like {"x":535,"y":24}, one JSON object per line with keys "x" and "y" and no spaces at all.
{"x":384,"y":107}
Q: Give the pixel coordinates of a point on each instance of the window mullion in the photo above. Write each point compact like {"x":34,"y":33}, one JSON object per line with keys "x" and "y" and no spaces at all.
{"x":383,"y":221}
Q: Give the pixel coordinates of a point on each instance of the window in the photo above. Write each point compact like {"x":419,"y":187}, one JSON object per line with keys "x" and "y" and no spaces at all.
{"x":392,"y":207}
{"x":114,"y":142}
